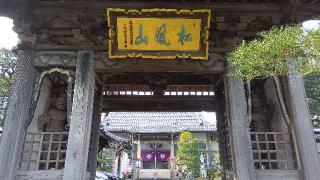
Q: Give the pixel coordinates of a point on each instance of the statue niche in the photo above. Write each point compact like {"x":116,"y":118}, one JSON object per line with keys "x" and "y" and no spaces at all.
{"x":48,"y":121}
{"x":52,"y":103}
{"x":55,"y":118}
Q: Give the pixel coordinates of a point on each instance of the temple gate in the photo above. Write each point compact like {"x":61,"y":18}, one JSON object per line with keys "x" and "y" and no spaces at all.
{"x":73,"y":64}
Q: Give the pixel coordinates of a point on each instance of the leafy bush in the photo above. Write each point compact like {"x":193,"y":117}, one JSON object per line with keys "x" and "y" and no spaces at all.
{"x":7,"y":64}
{"x":105,"y":160}
{"x":274,"y":52}
{"x":188,"y":153}
{"x":312,"y":86}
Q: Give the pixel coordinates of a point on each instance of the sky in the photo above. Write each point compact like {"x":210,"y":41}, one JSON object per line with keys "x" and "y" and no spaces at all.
{"x":9,"y":39}
{"x":308,"y":25}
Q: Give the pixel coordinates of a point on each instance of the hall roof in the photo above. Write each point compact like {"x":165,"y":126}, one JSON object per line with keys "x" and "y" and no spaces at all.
{"x":157,"y":122}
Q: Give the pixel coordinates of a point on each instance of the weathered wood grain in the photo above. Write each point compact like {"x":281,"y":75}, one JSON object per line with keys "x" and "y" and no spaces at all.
{"x":303,"y":128}
{"x":95,"y":131}
{"x":170,"y":104}
{"x":239,"y":129}
{"x":17,"y":116}
{"x":81,"y":119}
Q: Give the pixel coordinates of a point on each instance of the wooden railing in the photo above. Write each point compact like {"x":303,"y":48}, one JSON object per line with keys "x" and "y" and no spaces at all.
{"x":44,"y":151}
{"x":273,"y":150}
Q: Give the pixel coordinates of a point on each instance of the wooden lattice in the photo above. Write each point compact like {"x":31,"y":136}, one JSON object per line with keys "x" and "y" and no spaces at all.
{"x":273,"y":150}
{"x":44,"y":151}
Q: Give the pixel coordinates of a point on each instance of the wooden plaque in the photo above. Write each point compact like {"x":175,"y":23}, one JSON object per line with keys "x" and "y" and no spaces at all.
{"x":158,"y":33}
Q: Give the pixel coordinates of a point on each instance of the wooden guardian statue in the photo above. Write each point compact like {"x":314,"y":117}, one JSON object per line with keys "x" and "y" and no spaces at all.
{"x":55,"y":119}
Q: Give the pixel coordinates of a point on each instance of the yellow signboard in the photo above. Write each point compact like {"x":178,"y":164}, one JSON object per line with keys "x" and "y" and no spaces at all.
{"x":158,"y":34}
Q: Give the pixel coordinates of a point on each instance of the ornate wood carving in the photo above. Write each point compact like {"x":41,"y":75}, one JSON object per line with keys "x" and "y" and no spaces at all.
{"x":53,"y":58}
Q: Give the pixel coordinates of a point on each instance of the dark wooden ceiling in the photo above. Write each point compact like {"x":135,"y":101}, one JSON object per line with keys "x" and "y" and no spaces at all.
{"x":160,"y":92}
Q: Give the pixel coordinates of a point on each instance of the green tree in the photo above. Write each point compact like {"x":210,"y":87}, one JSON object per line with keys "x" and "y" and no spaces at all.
{"x":106,"y":159}
{"x":312,"y":86}
{"x":188,"y":153}
{"x":274,"y":54}
{"x":7,"y":63}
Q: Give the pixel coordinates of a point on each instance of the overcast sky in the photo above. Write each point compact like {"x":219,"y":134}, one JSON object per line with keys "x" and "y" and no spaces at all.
{"x":8,"y":38}
{"x":311,"y":24}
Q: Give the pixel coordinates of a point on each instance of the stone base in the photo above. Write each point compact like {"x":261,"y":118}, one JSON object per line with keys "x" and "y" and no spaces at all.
{"x":278,"y":175}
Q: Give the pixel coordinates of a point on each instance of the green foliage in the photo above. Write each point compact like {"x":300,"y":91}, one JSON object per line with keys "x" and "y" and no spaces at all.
{"x":106,"y":159}
{"x":214,"y":174}
{"x":188,"y":153}
{"x":312,"y":43}
{"x":200,"y":178}
{"x":312,"y":86}
{"x":274,"y":51}
{"x":7,"y":63}
{"x":312,"y":81}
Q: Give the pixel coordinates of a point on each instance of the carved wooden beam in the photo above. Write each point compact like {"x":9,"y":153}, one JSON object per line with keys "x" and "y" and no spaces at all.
{"x":99,"y":6}
{"x":103,"y":65}
{"x":168,"y":104}
{"x":55,"y":58}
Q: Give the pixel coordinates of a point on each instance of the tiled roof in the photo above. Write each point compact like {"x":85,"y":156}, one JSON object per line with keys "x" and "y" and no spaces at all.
{"x":156,"y":122}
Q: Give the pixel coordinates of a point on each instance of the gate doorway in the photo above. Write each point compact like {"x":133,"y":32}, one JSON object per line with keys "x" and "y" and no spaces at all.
{"x":167,"y":93}
{"x":155,"y":138}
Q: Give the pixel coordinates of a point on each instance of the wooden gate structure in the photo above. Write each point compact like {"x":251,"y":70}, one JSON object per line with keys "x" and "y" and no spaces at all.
{"x":75,"y":46}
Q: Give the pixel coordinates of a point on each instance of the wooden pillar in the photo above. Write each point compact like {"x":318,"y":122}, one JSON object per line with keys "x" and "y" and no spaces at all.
{"x":17,"y":116}
{"x":134,"y":159}
{"x":139,"y":156}
{"x":81,"y":117}
{"x":239,"y":129}
{"x":303,"y":128}
{"x":95,"y":131}
{"x":222,"y":129}
{"x":119,"y":154}
{"x":207,"y":153}
{"x":172,"y":147}
{"x":172,"y":156}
